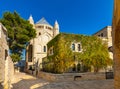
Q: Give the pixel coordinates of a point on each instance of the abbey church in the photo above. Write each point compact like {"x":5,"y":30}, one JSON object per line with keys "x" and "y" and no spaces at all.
{"x":37,"y":48}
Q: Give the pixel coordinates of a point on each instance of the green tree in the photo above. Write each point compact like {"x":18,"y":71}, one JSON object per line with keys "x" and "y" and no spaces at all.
{"x":20,"y":32}
{"x":15,"y":57}
{"x":96,"y":55}
{"x":62,"y":59}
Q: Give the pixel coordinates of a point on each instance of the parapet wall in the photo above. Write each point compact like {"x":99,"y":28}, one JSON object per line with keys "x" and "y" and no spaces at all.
{"x":71,"y":76}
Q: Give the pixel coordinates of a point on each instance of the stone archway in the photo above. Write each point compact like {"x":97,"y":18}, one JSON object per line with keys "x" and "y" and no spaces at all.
{"x":116,"y":43}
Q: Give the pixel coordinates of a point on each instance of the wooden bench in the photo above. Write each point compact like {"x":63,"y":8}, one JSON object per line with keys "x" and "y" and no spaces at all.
{"x":78,"y":76}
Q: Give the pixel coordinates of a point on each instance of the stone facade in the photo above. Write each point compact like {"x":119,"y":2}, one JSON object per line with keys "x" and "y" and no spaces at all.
{"x":37,"y":48}
{"x":3,"y":51}
{"x":116,"y":43}
{"x":6,"y":64}
{"x":106,"y":35}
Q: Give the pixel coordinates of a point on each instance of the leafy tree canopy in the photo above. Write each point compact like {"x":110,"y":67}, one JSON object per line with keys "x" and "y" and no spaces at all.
{"x":20,"y":31}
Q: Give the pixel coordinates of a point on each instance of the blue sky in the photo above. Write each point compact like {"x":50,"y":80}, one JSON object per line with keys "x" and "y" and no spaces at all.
{"x":73,"y":16}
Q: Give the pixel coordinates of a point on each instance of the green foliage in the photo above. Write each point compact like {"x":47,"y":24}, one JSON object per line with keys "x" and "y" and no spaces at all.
{"x":20,"y":31}
{"x":59,"y":61}
{"x":94,"y":53}
{"x":15,"y":57}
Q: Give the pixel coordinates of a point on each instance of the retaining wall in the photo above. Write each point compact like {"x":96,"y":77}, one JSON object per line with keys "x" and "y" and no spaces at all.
{"x":70,"y":76}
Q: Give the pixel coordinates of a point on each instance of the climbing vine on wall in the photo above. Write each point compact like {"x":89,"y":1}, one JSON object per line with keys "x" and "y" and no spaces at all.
{"x":94,"y":53}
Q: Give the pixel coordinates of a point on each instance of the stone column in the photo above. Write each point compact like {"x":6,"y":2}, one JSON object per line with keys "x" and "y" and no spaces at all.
{"x":116,"y":43}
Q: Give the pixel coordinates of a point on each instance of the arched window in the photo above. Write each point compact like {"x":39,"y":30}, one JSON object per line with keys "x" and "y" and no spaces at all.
{"x":73,"y":47}
{"x":44,"y":49}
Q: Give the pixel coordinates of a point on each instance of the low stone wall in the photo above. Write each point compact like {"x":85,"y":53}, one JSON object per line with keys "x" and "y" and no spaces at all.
{"x":10,"y":68}
{"x":70,"y":76}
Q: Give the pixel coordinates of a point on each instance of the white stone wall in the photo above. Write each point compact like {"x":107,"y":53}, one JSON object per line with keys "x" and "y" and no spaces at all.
{"x":45,"y":32}
{"x":3,"y":47}
{"x":6,"y":64}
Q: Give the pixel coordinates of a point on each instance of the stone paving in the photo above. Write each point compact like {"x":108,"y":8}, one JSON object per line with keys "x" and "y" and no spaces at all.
{"x":25,"y":81}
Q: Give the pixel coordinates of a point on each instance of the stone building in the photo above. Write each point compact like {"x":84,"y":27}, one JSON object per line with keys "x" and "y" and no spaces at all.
{"x":6,"y":64}
{"x":72,"y":52}
{"x":106,"y":35}
{"x":69,"y":46}
{"x":3,"y":51}
{"x":37,"y":48}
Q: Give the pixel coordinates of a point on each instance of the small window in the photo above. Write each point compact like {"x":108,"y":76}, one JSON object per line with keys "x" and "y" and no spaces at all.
{"x":79,"y":47}
{"x":51,"y":51}
{"x":98,"y":35}
{"x":6,"y":54}
{"x":73,"y":47}
{"x":111,"y":33}
{"x":39,"y":33}
{"x":101,"y":34}
{"x":49,"y":28}
{"x":40,"y":26}
{"x":44,"y":48}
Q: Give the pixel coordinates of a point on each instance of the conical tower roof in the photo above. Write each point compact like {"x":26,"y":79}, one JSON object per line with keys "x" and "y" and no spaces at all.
{"x":31,"y":19}
{"x":42,"y":21}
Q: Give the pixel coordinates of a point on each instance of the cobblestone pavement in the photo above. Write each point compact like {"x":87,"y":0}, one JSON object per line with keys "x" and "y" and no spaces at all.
{"x":25,"y":81}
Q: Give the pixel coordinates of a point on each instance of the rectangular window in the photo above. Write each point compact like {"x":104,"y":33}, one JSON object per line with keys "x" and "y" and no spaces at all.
{"x":79,"y":47}
{"x":73,"y":47}
{"x":51,"y":51}
{"x":44,"y":48}
{"x":101,"y":34}
{"x":6,"y":53}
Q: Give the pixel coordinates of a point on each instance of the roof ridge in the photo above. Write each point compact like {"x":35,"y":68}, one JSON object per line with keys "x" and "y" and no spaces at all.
{"x":42,"y":21}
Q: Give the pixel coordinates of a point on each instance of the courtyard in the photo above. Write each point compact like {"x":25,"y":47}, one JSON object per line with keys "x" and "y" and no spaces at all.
{"x":26,"y":81}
